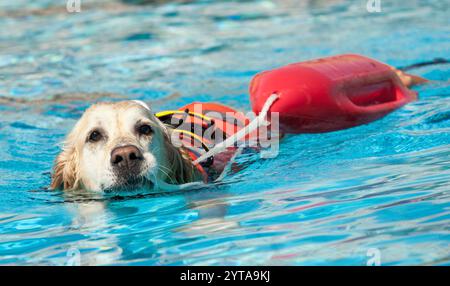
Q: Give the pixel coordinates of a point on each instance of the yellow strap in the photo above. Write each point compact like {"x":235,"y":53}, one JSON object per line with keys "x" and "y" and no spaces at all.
{"x":193,"y":135}
{"x":171,"y":112}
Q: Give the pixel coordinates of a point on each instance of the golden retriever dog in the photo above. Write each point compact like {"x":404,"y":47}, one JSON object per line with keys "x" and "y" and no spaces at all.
{"x":118,"y":146}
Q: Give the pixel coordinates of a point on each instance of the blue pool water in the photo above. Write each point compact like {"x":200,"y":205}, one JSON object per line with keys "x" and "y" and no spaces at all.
{"x":333,"y":198}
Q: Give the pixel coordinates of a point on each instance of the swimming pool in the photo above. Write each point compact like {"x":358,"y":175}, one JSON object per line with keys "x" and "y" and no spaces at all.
{"x":377,"y":191}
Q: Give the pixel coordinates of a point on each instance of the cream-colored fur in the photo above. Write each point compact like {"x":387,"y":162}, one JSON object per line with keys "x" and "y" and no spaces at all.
{"x":87,"y":165}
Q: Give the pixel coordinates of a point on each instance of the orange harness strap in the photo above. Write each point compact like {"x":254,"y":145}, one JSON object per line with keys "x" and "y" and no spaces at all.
{"x":188,"y":123}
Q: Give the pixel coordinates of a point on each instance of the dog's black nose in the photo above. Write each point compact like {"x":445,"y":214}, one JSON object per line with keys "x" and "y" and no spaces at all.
{"x":126,"y":157}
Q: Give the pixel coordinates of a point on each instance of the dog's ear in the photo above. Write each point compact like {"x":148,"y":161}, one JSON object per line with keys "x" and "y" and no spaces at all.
{"x":65,"y":170}
{"x":181,"y":169}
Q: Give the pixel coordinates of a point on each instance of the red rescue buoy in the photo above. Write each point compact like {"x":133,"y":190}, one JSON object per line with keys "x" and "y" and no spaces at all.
{"x":330,"y":94}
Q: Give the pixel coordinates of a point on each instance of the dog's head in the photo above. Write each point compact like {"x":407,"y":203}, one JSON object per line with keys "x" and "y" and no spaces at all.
{"x":116,"y":146}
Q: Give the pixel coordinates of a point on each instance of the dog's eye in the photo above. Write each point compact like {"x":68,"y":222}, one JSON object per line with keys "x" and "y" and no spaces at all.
{"x":145,"y":129}
{"x":95,"y":136}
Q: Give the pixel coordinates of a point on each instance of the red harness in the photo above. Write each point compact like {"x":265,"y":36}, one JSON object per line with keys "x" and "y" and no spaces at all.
{"x":200,"y":126}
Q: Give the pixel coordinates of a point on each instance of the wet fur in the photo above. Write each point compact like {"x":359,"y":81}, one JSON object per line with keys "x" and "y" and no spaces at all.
{"x":175,"y":166}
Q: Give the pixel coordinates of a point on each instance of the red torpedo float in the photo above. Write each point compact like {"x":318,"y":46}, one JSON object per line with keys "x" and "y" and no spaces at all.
{"x":330,"y":94}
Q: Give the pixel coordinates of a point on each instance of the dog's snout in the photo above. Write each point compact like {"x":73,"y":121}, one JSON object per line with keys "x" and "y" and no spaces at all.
{"x":126,"y":157}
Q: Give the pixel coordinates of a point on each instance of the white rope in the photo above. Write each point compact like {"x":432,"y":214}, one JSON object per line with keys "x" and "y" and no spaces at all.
{"x":252,"y":126}
{"x":166,"y":187}
{"x":228,"y":166}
